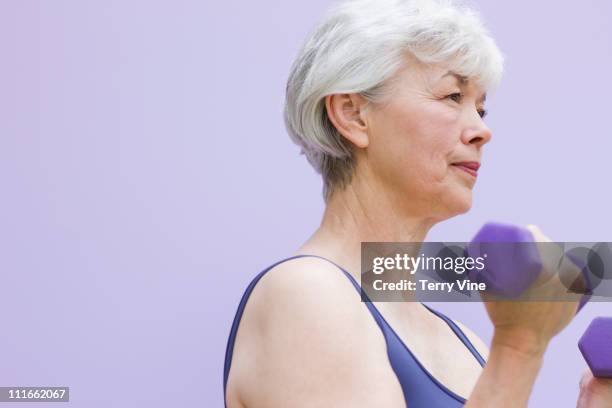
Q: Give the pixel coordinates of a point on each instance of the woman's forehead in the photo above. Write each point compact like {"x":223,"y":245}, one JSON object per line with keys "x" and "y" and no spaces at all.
{"x":418,"y":77}
{"x":434,"y":75}
{"x":418,"y":72}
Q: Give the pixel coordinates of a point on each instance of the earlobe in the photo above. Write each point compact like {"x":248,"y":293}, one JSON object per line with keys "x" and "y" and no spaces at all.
{"x":345,"y":112}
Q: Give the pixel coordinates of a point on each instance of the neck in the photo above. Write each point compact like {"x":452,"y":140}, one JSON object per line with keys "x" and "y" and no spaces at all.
{"x":358,"y":214}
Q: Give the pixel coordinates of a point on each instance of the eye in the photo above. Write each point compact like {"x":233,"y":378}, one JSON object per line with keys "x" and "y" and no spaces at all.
{"x":457,"y":96}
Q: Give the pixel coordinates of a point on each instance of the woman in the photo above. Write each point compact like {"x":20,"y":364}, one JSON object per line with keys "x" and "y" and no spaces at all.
{"x":386,"y":100}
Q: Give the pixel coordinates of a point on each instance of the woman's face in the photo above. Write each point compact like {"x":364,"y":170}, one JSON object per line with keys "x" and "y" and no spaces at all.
{"x":424,"y":140}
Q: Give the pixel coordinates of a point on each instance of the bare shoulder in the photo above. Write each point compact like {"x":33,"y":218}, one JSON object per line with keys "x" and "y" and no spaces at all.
{"x":304,"y":290}
{"x":480,"y":345}
{"x":301,"y":340}
{"x":306,"y":275}
{"x":305,"y":287}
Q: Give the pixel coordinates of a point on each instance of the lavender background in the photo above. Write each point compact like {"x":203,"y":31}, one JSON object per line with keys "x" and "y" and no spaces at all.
{"x":146,"y":177}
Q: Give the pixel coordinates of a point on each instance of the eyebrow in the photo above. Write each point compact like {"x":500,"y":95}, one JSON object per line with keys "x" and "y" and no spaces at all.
{"x":463,"y":80}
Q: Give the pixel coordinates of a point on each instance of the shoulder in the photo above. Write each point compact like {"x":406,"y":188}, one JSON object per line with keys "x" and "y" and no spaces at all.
{"x":305,"y":294}
{"x":301,"y":291}
{"x":476,"y":341}
{"x":306,"y":275}
{"x":301,"y":323}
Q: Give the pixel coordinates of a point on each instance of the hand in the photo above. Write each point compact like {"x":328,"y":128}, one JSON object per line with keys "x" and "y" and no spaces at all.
{"x":528,"y":325}
{"x":594,"y":392}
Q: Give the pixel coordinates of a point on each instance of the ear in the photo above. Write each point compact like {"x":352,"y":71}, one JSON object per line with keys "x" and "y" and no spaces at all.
{"x":347,"y":113}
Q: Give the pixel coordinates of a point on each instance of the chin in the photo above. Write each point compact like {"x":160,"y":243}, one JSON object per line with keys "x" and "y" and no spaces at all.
{"x":458,"y":203}
{"x":464,"y":205}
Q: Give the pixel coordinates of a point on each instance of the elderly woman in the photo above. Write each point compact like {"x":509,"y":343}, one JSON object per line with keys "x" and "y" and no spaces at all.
{"x":386,"y":100}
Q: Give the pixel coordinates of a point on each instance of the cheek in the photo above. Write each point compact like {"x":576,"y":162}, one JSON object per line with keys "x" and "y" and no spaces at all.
{"x":434,"y":139}
{"x":413,"y":144}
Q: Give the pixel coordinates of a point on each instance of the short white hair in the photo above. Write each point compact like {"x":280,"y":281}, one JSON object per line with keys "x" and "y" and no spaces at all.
{"x":357,"y":47}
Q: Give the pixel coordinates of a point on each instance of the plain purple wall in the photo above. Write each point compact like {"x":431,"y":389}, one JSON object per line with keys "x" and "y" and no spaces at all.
{"x":146,"y":177}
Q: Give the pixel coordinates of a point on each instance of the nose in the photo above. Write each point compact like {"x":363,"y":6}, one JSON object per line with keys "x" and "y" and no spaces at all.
{"x":478,"y":134}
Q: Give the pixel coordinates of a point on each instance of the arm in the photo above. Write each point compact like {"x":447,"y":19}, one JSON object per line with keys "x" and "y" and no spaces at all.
{"x":508,"y":377}
{"x":495,"y":386}
{"x":523,"y":330}
{"x":309,"y":349}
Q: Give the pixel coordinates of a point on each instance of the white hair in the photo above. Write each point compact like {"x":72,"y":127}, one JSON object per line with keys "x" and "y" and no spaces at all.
{"x":357,"y":47}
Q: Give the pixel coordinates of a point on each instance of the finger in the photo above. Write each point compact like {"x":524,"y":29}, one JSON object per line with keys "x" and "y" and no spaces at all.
{"x":538,"y":235}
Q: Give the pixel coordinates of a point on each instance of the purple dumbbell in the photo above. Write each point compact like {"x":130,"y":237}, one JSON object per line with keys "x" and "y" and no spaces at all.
{"x":512,"y":259}
{"x":513,"y":265}
{"x":596,"y":347}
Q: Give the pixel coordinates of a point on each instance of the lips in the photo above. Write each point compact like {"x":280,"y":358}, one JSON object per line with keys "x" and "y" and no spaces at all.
{"x":469,"y":167}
